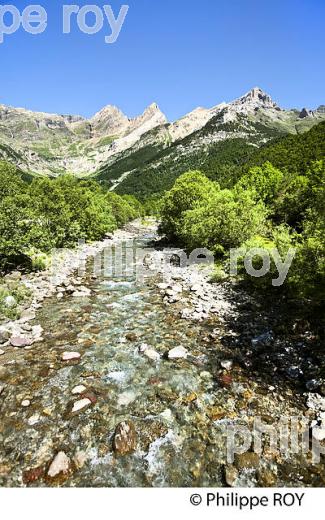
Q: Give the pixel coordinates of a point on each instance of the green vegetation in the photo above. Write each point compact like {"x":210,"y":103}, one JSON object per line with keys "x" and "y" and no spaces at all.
{"x":53,"y":213}
{"x":223,"y":161}
{"x":104,"y":141}
{"x":156,"y":170}
{"x":267,"y":208}
{"x":11,"y":295}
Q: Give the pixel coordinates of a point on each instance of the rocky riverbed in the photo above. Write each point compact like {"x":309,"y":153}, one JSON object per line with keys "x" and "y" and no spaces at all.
{"x":112,"y":381}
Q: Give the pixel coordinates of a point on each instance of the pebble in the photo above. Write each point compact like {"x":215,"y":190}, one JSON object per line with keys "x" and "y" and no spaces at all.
{"x":162,"y":286}
{"x":60,"y":464}
{"x":143,"y":347}
{"x":25,"y":403}
{"x":152,"y":354}
{"x":80,"y":405}
{"x":80,"y":459}
{"x":248,"y":460}
{"x":70,"y":356}
{"x":27,"y":315}
{"x":167,"y":415}
{"x":4,"y":336}
{"x":316,"y":402}
{"x":206,"y":375}
{"x":125,"y":438}
{"x":79,"y":389}
{"x":231,"y":475}
{"x":34,"y":419}
{"x":10,"y":302}
{"x":126,"y":398}
{"x":20,"y":341}
{"x":178,"y":353}
{"x":227,"y":364}
{"x":37,"y":330}
{"x":319,"y":433}
{"x":1,"y":352}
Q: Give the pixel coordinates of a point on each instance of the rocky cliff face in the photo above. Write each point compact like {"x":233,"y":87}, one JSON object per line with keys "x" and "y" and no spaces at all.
{"x":51,"y":144}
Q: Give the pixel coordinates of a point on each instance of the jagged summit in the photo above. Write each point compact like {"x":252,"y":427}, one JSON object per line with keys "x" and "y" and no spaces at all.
{"x":256,"y":98}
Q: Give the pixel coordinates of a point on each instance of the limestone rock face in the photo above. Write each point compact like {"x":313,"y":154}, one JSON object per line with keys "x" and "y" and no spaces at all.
{"x":255,"y":98}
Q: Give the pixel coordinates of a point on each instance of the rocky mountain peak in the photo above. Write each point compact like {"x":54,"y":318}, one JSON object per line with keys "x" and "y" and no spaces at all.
{"x":109,"y":121}
{"x":254,"y":99}
{"x":305,"y":113}
{"x":154,"y":110}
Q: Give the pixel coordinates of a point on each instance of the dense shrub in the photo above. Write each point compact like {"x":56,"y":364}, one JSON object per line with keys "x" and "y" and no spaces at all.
{"x":54,"y":213}
{"x":267,"y":209}
{"x":225,"y":221}
{"x":191,"y":190}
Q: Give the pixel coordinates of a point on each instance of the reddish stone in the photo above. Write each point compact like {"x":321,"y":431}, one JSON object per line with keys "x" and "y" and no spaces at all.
{"x":154,"y":381}
{"x":32,"y":475}
{"x":91,"y":396}
{"x":225,"y":380}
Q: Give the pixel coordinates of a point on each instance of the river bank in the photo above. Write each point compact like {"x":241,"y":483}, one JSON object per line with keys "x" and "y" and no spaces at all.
{"x":137,"y":384}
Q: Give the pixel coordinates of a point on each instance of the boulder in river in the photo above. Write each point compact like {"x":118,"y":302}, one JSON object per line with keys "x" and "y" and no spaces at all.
{"x":125,"y":438}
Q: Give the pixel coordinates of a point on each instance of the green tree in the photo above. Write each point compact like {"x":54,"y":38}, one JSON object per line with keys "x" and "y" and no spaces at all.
{"x":226,"y":220}
{"x":191,"y":190}
{"x":265,"y":180}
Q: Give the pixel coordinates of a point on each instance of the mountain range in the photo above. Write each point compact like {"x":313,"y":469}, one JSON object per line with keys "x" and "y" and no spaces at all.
{"x":144,"y":154}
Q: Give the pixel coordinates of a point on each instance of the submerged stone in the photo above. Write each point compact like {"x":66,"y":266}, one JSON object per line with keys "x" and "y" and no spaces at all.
{"x":125,"y":438}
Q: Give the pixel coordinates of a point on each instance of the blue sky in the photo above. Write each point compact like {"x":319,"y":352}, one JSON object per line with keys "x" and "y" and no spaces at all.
{"x":178,"y":53}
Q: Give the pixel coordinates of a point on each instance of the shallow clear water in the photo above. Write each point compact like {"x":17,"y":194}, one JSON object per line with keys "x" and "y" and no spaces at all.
{"x":177,"y":406}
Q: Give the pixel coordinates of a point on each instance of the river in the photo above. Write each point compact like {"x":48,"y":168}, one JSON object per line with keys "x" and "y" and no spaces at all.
{"x":177,"y":410}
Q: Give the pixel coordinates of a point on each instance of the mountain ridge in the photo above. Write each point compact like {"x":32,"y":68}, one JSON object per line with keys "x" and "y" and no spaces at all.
{"x":51,"y":144}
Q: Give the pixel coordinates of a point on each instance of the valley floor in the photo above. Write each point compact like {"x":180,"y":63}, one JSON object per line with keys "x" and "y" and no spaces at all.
{"x":115,"y":381}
